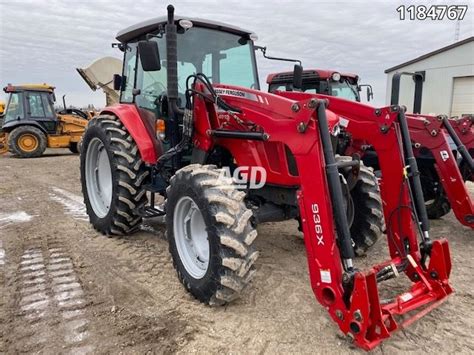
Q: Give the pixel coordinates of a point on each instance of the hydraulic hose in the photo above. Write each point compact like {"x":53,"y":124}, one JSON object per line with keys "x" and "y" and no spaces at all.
{"x":335,"y":190}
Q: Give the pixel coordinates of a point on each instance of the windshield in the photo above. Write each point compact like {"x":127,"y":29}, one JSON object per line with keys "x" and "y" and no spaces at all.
{"x":343,"y":89}
{"x":225,"y":58}
{"x":14,"y":109}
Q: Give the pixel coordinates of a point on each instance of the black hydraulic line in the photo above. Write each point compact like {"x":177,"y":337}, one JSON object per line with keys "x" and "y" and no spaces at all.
{"x":254,"y":136}
{"x":335,"y":190}
{"x":460,"y":147}
{"x":414,"y":172}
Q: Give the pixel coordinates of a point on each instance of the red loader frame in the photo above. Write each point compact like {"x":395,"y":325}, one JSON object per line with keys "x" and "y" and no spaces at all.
{"x":429,"y":132}
{"x":352,"y":300}
{"x":432,"y":133}
{"x":464,"y":130}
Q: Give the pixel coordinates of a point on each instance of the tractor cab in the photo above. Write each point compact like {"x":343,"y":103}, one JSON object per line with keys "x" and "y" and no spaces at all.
{"x":317,"y":81}
{"x":224,"y":53}
{"x":31,"y":104}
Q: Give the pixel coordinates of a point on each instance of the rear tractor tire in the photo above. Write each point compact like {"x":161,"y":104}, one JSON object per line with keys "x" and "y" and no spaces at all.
{"x":27,"y":142}
{"x":112,"y":177}
{"x":210,"y":234}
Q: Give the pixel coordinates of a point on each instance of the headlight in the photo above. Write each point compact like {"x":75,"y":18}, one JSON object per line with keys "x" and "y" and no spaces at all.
{"x":186,"y":24}
{"x":336,"y":76}
{"x":160,"y":128}
{"x":253,"y":37}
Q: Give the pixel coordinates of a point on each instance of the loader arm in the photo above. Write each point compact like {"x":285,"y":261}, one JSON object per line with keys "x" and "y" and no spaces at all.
{"x":429,"y":132}
{"x":464,"y":128}
{"x":350,"y":296}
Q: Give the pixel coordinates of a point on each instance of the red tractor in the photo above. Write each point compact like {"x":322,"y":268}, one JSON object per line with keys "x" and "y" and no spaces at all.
{"x":191,"y":113}
{"x":444,"y":148}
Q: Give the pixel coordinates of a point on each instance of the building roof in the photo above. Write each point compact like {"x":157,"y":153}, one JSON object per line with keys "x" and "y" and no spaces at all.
{"x":151,"y":25}
{"x":430,"y":54}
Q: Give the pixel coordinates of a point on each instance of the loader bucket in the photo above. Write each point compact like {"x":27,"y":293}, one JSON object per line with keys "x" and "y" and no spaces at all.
{"x":99,"y":75}
{"x":3,"y":143}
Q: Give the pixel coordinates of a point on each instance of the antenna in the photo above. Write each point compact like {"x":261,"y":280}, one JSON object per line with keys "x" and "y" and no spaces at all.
{"x":457,"y":30}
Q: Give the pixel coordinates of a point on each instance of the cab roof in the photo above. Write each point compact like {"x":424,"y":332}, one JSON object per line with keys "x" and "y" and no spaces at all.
{"x":308,"y":74}
{"x":151,"y":25}
{"x":28,"y":87}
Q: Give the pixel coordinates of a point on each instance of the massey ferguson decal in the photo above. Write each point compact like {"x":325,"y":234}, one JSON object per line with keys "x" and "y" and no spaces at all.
{"x":238,"y":93}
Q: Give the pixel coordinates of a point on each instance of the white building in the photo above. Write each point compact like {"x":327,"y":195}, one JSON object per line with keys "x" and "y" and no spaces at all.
{"x":448,"y":87}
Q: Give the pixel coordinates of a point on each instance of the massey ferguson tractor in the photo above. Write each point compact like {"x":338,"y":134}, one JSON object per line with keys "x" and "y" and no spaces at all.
{"x":444,"y":147}
{"x":191,"y":114}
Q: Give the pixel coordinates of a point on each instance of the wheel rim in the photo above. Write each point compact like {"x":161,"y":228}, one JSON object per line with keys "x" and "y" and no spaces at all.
{"x":191,"y":237}
{"x":98,"y":173}
{"x":28,"y":142}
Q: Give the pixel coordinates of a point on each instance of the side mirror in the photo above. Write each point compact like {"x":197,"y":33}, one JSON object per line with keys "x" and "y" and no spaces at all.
{"x":370,"y":94}
{"x":117,"y":82}
{"x":298,"y":77}
{"x":149,"y":55}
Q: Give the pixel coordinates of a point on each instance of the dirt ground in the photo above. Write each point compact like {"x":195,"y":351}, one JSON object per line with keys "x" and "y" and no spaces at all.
{"x":66,"y":289}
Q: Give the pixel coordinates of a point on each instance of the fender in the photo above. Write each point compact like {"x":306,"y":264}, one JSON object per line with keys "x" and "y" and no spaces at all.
{"x":139,"y":128}
{"x":10,"y":126}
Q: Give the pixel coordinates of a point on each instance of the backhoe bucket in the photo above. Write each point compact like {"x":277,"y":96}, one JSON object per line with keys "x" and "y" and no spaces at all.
{"x":100,"y":74}
{"x":3,"y":143}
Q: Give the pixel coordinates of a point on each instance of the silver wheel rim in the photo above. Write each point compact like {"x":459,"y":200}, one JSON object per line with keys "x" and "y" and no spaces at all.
{"x":98,"y":178}
{"x":191,"y":237}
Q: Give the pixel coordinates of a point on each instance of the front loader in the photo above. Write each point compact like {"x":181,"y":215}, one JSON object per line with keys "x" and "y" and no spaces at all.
{"x":444,"y":147}
{"x":188,"y":120}
{"x":30,"y":123}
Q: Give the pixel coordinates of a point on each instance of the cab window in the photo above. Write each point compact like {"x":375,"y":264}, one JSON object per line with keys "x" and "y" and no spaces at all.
{"x":14,"y":109}
{"x":39,"y":105}
{"x":152,"y":84}
{"x":129,"y":63}
{"x":223,"y":57}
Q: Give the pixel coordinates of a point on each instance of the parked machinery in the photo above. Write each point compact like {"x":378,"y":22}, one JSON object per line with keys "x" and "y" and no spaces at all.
{"x":443,"y":147}
{"x":30,"y":124}
{"x":216,"y":120}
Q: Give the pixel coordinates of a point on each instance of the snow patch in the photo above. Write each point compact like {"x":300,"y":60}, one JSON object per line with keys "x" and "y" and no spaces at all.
{"x":16,"y":217}
{"x":72,"y":203}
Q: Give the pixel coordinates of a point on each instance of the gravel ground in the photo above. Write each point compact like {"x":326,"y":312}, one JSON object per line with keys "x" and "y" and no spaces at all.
{"x":66,"y":289}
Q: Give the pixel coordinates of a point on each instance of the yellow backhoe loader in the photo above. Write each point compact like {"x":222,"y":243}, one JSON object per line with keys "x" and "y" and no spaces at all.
{"x":30,"y":123}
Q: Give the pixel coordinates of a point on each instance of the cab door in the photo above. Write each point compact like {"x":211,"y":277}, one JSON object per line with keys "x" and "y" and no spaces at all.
{"x":39,"y":108}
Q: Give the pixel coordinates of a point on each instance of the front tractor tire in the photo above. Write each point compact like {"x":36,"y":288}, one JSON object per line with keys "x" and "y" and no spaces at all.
{"x":27,"y":142}
{"x":210,"y":234}
{"x":112,"y":177}
{"x":368,"y":220}
{"x":369,"y":223}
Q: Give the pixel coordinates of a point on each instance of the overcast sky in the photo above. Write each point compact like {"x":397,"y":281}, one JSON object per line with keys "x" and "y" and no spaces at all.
{"x":44,"y":41}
